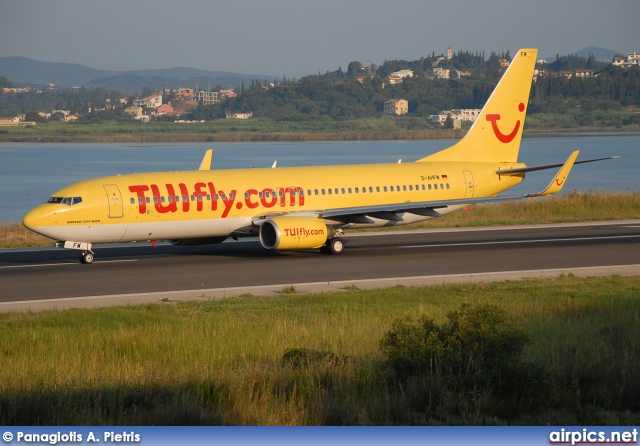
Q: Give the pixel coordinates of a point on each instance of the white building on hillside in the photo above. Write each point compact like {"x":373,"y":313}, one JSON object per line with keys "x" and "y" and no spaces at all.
{"x":153,"y":101}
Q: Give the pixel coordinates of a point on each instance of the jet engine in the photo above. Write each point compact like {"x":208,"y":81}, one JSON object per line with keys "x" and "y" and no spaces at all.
{"x":280,"y":233}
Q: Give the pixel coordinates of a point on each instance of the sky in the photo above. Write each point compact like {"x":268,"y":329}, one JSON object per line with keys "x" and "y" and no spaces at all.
{"x":294,"y":38}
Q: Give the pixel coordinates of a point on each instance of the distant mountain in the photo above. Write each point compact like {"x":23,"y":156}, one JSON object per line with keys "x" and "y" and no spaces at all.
{"x":601,"y":54}
{"x":21,"y":70}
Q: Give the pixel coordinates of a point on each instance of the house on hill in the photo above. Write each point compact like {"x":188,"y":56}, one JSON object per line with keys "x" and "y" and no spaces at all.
{"x":398,"y":76}
{"x":396,"y":107}
{"x":164,"y":109}
{"x":153,"y":101}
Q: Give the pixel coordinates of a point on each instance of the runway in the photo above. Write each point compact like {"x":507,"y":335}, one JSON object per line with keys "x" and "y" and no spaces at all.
{"x":134,"y":273}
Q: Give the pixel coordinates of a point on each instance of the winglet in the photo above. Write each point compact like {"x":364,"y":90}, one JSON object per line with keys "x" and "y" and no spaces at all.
{"x":560,"y":178}
{"x":206,"y":161}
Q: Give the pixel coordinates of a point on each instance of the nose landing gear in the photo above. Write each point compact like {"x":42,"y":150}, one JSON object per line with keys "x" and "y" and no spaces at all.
{"x":86,"y":257}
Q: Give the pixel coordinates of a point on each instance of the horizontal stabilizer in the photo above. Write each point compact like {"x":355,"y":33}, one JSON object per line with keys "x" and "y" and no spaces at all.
{"x":548,"y":166}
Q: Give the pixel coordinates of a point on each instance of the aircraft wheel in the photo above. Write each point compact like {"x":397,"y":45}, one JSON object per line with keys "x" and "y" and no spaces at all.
{"x":335,"y":246}
{"x":86,"y":257}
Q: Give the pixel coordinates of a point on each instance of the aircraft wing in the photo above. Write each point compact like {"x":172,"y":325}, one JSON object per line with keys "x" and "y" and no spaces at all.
{"x":429,"y":208}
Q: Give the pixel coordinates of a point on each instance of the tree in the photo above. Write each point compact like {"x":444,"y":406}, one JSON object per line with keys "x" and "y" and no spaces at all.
{"x":354,"y":69}
{"x":146,"y":91}
{"x":34,"y":117}
{"x":448,"y":123}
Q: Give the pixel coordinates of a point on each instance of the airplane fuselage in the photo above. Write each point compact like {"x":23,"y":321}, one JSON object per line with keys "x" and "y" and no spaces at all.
{"x":220,"y":203}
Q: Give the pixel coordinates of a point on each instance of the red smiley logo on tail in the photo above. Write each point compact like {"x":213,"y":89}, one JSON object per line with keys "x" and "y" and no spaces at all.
{"x":501,"y":136}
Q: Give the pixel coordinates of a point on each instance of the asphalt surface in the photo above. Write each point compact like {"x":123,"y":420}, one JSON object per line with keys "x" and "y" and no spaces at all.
{"x":53,"y":278}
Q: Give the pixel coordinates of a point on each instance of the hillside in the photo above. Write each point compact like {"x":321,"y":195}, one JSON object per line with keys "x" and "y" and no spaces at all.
{"x":24,"y":71}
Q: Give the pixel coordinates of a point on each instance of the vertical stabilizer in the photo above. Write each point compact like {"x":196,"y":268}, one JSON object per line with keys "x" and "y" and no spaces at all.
{"x":495,"y":135}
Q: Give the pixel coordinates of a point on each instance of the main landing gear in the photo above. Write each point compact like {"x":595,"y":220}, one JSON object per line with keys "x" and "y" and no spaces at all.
{"x":86,"y":257}
{"x":333,"y":246}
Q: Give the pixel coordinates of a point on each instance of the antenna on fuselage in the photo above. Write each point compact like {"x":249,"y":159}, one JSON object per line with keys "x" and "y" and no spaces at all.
{"x":273,"y":166}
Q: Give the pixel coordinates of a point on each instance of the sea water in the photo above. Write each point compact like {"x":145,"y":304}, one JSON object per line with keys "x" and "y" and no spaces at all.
{"x":31,"y":172}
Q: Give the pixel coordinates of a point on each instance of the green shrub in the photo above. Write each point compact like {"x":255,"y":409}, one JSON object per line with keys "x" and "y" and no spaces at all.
{"x":479,"y":348}
{"x":304,"y":357}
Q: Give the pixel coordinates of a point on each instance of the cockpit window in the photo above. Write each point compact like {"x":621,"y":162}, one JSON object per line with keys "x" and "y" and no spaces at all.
{"x":69,"y":201}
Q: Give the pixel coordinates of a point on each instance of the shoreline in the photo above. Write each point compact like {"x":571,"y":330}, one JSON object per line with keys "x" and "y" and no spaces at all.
{"x":285,"y":136}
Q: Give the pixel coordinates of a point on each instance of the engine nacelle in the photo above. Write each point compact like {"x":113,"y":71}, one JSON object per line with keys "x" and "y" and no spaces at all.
{"x":197,"y":241}
{"x":280,"y":233}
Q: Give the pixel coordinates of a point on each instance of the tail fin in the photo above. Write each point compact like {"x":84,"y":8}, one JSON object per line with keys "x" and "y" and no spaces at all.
{"x":495,"y":135}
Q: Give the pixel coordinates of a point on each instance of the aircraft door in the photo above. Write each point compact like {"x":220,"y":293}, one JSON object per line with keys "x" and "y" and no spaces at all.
{"x":282,"y":196}
{"x":115,"y":201}
{"x":468,"y":181}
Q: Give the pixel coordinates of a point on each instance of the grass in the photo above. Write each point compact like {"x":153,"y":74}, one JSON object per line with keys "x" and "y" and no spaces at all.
{"x":572,"y":207}
{"x":567,"y":208}
{"x":15,"y":235}
{"x":255,"y":129}
{"x":315,"y":360}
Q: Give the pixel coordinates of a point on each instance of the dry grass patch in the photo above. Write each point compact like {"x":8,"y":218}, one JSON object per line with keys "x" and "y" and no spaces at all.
{"x":15,"y":235}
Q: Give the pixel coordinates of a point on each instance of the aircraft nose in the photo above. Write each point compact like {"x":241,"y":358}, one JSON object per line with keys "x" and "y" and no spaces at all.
{"x":35,"y":218}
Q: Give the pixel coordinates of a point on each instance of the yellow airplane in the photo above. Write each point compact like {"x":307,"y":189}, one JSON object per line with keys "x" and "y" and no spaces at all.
{"x":302,"y":207}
